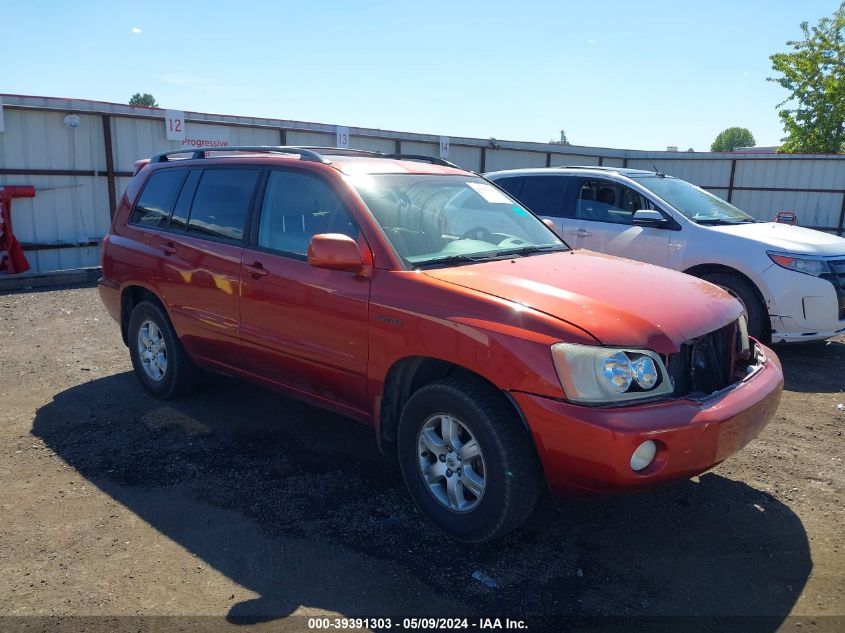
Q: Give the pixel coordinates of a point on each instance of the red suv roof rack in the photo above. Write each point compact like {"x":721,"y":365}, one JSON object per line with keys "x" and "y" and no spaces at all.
{"x":304,"y":153}
{"x":345,"y":151}
{"x":314,"y":154}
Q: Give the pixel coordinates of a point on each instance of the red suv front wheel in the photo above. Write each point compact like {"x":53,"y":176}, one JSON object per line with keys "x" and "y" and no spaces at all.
{"x":467,"y":461}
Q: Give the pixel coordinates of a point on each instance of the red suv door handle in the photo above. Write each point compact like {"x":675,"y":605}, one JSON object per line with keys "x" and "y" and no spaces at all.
{"x":256,"y":270}
{"x":168,"y":248}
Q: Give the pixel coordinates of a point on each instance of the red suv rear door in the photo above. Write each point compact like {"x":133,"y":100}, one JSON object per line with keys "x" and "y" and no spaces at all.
{"x":199,"y":277}
{"x":303,"y":327}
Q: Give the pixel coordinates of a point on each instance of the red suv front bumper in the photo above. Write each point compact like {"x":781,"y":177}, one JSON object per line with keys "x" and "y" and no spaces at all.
{"x":589,"y":448}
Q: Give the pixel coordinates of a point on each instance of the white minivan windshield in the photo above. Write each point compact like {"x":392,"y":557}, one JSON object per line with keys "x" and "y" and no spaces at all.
{"x":697,"y":204}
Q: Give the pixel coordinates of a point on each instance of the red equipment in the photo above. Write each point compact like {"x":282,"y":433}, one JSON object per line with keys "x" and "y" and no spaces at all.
{"x":12,"y":259}
{"x":786,"y":217}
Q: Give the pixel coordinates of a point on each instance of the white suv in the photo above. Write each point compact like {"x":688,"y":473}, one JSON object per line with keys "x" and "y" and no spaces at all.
{"x":791,"y":280}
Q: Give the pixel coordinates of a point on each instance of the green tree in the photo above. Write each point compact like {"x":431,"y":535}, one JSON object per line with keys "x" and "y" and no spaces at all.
{"x":728,"y":140}
{"x":145,"y":99}
{"x":814,"y":75}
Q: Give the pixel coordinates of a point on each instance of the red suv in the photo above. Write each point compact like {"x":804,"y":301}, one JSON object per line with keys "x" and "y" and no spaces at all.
{"x":422,"y":300}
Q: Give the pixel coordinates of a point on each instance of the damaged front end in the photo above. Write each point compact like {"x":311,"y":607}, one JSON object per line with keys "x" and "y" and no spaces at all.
{"x":713,"y":362}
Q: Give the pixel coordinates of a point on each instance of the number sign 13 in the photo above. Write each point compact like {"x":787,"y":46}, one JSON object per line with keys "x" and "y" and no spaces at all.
{"x":342,"y":139}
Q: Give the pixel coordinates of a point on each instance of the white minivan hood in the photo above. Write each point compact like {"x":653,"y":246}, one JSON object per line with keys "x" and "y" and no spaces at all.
{"x":787,"y":238}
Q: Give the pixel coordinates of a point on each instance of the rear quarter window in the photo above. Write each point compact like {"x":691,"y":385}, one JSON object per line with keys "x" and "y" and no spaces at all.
{"x":179,"y":217}
{"x":512,"y":185}
{"x":156,"y":200}
{"x":544,"y":194}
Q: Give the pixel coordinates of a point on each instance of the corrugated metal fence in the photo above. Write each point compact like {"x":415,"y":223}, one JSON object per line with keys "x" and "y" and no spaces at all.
{"x":81,"y":172}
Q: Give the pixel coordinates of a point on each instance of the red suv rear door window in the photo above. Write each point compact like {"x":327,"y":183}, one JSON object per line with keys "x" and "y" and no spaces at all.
{"x":221,"y":202}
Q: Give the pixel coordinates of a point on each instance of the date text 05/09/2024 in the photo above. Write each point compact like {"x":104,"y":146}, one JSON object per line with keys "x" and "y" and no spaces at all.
{"x":430,"y":623}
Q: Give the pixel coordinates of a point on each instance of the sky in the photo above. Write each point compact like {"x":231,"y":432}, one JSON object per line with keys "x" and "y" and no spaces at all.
{"x":637,"y":75}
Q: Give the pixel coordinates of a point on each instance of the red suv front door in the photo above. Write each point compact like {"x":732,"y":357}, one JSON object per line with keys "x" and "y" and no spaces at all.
{"x":303,"y":327}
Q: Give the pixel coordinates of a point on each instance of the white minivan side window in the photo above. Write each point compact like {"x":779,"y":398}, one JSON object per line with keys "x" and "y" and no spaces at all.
{"x":608,"y":201}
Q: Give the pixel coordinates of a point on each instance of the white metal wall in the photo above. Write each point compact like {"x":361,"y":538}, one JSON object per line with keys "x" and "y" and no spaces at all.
{"x":813,"y":209}
{"x":574,"y":159}
{"x":791,"y":173}
{"x":311,"y":138}
{"x":711,"y":173}
{"x":762,"y":187}
{"x":69,"y":167}
{"x":509,"y":158}
{"x":371,"y":144}
{"x":40,"y":140}
{"x":68,"y":208}
{"x":65,"y":209}
{"x":141,"y":138}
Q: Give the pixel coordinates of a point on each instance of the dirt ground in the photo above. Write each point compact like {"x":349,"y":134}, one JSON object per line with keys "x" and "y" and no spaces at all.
{"x":237,"y":501}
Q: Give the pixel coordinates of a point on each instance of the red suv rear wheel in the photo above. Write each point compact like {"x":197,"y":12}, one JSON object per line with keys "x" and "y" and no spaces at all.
{"x":160,"y":362}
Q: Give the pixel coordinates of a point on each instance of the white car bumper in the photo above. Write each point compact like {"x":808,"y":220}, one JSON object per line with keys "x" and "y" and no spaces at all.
{"x":803,"y":307}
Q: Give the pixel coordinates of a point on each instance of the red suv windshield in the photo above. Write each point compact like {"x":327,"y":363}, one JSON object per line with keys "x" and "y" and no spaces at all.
{"x":443,"y":219}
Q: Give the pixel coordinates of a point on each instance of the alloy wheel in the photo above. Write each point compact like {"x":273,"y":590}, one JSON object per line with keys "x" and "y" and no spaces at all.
{"x":152,"y":350}
{"x":451,"y":463}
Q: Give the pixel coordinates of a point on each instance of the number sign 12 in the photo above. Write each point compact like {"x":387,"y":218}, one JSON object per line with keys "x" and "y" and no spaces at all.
{"x":174,"y":125}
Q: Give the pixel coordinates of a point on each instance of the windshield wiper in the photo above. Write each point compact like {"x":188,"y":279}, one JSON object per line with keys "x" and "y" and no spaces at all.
{"x":533,"y":248}
{"x":460,"y":258}
{"x":723,"y":221}
{"x":454,"y":259}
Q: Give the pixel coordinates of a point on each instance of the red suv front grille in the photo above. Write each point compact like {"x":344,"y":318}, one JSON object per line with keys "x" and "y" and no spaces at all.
{"x":705,"y":364}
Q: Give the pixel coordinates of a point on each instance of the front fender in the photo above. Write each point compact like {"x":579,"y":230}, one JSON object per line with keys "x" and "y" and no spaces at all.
{"x":507,"y":344}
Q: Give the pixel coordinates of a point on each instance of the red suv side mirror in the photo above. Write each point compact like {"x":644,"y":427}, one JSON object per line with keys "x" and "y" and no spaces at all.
{"x":335,"y":252}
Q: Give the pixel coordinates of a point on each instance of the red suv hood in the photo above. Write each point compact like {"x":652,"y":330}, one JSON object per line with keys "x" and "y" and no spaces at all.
{"x":619,"y":301}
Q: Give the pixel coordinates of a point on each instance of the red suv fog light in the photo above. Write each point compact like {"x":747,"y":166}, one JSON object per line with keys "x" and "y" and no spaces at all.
{"x":643,"y":456}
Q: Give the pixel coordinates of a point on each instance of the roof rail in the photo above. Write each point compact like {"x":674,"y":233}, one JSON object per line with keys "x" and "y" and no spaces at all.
{"x":426,"y":159}
{"x":304,"y":153}
{"x":602,"y":167}
{"x":309,"y":153}
{"x":345,"y":151}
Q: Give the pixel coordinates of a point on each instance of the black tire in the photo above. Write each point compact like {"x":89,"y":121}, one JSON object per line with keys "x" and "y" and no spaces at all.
{"x":759,"y":325}
{"x":181,"y":376}
{"x":512,"y":473}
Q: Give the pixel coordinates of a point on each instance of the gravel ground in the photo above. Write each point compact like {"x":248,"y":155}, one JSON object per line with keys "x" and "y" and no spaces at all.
{"x":237,"y":501}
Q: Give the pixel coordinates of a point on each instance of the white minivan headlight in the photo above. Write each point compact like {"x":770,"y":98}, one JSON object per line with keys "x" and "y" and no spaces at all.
{"x":800,"y":263}
{"x":604,"y":375}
